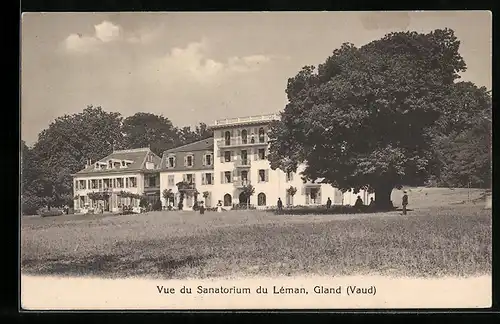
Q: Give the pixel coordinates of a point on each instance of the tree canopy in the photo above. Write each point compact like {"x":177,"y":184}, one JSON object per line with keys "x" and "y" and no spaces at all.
{"x":367,"y":117}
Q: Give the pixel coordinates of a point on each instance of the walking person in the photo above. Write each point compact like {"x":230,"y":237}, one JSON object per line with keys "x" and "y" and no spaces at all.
{"x":328,"y":203}
{"x":404,"y":202}
{"x":202,"y":208}
{"x":280,"y":205}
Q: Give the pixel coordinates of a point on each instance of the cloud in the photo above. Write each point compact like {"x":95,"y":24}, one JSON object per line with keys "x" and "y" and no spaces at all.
{"x":192,"y":62}
{"x":385,"y":20}
{"x":104,"y":32}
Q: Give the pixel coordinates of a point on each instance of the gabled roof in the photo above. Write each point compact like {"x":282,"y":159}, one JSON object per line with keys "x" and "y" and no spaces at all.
{"x":136,"y":156}
{"x":203,"y":145}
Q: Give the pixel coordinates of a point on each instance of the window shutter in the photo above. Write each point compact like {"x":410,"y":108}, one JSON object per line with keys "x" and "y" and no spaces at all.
{"x":194,"y":178}
{"x":203,"y":178}
{"x":239,"y":133}
{"x":234,"y":176}
{"x":221,"y":156}
{"x":232,"y":132}
{"x":221,"y":134}
{"x":222,"y":177}
{"x":184,"y":178}
{"x":255,"y":154}
{"x":185,"y":160}
{"x":256,"y":131}
{"x":232,"y":156}
{"x":204,"y":160}
{"x":267,"y":175}
{"x":307,"y":199}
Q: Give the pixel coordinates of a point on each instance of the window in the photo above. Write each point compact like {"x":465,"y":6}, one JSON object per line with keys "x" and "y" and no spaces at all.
{"x":119,"y":182}
{"x":227,"y":156}
{"x":189,"y":178}
{"x":171,"y":162}
{"x":152,"y":181}
{"x":126,"y":182}
{"x":289,"y":176}
{"x":262,"y":154}
{"x":228,"y":200}
{"x":83,"y":184}
{"x":208,"y":179}
{"x":106,"y":183}
{"x":123,"y":163}
{"x":99,"y":183}
{"x":261,"y":199}
{"x":110,"y":164}
{"x":171,"y":180}
{"x":227,"y":177}
{"x":116,"y":165}
{"x":208,"y":159}
{"x":189,"y":161}
{"x":227,"y":138}
{"x":263,"y":176}
{"x":261,"y":135}
{"x":244,"y":136}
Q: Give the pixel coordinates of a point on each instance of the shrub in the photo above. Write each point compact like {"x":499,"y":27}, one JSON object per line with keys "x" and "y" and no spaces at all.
{"x":49,"y":213}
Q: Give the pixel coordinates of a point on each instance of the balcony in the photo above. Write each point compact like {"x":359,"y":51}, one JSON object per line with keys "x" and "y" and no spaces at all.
{"x":244,"y":163}
{"x":238,"y":141}
{"x":238,"y":183}
{"x":246,"y":120}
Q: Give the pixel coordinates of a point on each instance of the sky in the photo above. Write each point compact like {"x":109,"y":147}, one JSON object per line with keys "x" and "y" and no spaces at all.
{"x":199,"y":67}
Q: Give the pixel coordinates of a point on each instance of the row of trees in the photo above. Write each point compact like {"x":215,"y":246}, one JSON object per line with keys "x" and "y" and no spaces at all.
{"x":64,"y":147}
{"x":387,"y":114}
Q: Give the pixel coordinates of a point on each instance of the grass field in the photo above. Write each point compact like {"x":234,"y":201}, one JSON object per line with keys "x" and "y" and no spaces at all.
{"x":443,"y":235}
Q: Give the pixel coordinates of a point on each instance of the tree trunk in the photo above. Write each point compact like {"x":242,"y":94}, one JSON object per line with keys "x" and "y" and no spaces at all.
{"x":383,"y":197}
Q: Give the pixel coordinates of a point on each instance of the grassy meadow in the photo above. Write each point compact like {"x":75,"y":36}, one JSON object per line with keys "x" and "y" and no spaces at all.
{"x":446,"y":233}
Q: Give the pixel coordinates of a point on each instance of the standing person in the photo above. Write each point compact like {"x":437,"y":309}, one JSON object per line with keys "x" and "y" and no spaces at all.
{"x":202,"y":208}
{"x":404,"y":202}
{"x":328,"y":203}
{"x":280,"y":205}
{"x":219,"y":206}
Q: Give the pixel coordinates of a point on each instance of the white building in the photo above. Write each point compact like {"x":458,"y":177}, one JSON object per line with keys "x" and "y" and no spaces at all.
{"x":240,"y":149}
{"x":194,"y":164}
{"x":134,"y":171}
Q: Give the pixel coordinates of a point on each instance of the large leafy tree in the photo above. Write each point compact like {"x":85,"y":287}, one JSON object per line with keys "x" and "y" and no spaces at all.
{"x":361,"y":120}
{"x":187,"y":135}
{"x":149,"y":130}
{"x":66,"y":145}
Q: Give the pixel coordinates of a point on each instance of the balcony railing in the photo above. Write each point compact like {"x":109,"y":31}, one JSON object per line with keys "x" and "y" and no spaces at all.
{"x":247,"y":119}
{"x":238,"y":141}
{"x":244,"y":163}
{"x":238,"y":183}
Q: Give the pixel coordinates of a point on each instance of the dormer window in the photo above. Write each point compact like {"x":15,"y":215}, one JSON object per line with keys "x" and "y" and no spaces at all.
{"x":207,"y":159}
{"x":171,"y":162}
{"x":189,"y":160}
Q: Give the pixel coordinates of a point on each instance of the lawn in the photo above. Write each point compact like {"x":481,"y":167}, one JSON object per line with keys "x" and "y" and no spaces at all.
{"x":443,"y":235}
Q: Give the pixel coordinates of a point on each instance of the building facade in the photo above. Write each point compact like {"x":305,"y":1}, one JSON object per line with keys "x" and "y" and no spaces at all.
{"x":193,"y":164}
{"x":134,"y":171}
{"x":240,"y":148}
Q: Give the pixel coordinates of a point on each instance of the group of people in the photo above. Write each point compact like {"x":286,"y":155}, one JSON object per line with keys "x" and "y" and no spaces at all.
{"x":359,"y":204}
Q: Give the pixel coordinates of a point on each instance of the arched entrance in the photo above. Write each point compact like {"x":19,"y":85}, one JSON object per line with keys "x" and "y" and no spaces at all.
{"x":261,"y":199}
{"x":243,"y":199}
{"x":228,"y":200}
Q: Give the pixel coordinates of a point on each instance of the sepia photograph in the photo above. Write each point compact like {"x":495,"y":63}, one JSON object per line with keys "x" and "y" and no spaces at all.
{"x":256,"y":160}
